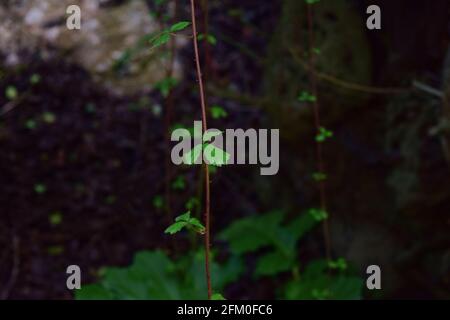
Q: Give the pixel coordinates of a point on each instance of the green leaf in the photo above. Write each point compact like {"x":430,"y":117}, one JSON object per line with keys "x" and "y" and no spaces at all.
{"x":196,"y":225}
{"x":160,"y":40}
{"x":179,"y":26}
{"x":93,"y":292}
{"x":251,"y":233}
{"x":339,"y":264}
{"x":318,"y":214}
{"x":306,"y":97}
{"x":217,"y":296}
{"x":153,"y":275}
{"x":210,"y":38}
{"x":166,"y":85}
{"x":218,"y":112}
{"x":301,"y":225}
{"x":272,"y":264}
{"x":184,"y":217}
{"x":176,"y":227}
{"x":323,"y":134}
{"x":317,"y":283}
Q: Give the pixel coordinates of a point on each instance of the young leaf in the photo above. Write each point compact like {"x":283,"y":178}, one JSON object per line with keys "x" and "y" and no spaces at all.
{"x":196,"y":225}
{"x":179,"y":26}
{"x":184,"y":217}
{"x":218,"y":112}
{"x":175,"y":227}
{"x":217,"y":296}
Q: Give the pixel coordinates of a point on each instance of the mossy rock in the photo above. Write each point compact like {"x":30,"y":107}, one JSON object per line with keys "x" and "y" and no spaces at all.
{"x":344,"y":53}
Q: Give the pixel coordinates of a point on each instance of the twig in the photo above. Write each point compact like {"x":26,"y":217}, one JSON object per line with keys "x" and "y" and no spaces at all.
{"x":319,"y":153}
{"x":205,"y":128}
{"x":347,"y":84}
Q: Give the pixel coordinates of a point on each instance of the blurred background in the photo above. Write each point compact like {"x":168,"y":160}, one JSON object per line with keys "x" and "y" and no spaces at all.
{"x":85,"y":122}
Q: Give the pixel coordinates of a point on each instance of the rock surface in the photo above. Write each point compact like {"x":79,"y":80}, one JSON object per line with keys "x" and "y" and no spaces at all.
{"x":106,"y":35}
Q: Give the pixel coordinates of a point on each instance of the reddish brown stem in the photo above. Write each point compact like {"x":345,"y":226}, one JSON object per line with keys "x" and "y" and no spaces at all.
{"x":167,"y":120}
{"x":205,"y":127}
{"x":317,"y":123}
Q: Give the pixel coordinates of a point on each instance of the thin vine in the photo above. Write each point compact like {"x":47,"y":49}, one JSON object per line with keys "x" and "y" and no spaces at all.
{"x":319,"y":129}
{"x":206,"y":168}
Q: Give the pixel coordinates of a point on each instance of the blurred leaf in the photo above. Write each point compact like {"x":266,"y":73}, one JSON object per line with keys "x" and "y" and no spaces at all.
{"x":55,"y":218}
{"x":154,"y":276}
{"x":160,"y":40}
{"x":317,"y":283}
{"x":40,"y":188}
{"x":11,"y":92}
{"x":218,"y":112}
{"x":273,"y":263}
{"x":179,"y":183}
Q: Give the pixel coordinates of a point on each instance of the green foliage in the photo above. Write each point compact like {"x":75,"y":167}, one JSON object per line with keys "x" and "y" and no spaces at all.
{"x":307,"y":97}
{"x":317,"y":282}
{"x":311,"y":1}
{"x":55,"y":218}
{"x":218,"y":112}
{"x":166,"y":85}
{"x":209,"y":38}
{"x":158,"y":202}
{"x":40,"y":188}
{"x":339,"y":264}
{"x":192,"y":203}
{"x":213,"y":155}
{"x":179,"y":183}
{"x":155,"y":276}
{"x":319,"y":176}
{"x":323,"y":134}
{"x":179,"y":26}
{"x":31,"y":124}
{"x":217,"y":296}
{"x":185,"y":221}
{"x":48,"y":117}
{"x":318,"y":214}
{"x":11,"y":93}
{"x":35,"y":79}
{"x":160,"y":39}
{"x":256,"y":232}
{"x":164,"y":37}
